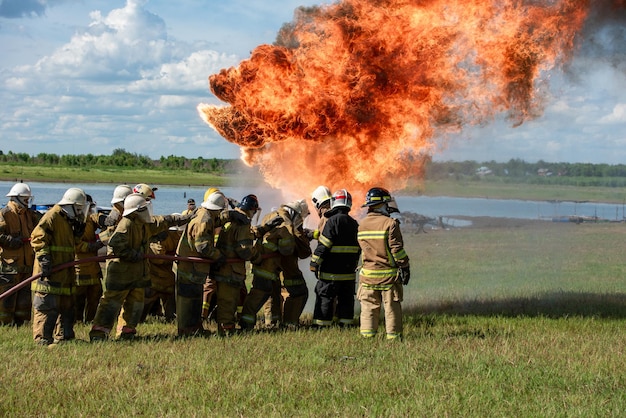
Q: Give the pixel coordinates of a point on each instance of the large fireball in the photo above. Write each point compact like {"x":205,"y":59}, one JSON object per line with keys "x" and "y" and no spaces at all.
{"x":361,"y":93}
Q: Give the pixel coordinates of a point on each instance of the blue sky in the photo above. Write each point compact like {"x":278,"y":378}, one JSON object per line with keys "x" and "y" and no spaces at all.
{"x":91,"y":76}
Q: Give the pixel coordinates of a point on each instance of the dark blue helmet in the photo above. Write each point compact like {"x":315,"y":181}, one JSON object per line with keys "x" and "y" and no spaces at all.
{"x":249,"y":202}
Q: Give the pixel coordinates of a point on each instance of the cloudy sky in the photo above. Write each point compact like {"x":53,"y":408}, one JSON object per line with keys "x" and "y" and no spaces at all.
{"x":90,"y":76}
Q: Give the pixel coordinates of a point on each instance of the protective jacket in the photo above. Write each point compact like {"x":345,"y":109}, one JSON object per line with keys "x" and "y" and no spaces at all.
{"x":54,"y":235}
{"x":162,"y":277}
{"x":337,"y":253}
{"x":88,"y":273}
{"x":236,"y":240}
{"x":278,"y":240}
{"x":382,"y":249}
{"x":17,"y":222}
{"x":129,"y":242}
{"x":198,"y":240}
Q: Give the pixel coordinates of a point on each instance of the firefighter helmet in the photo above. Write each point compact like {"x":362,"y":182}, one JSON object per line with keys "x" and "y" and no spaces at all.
{"x":341,"y":198}
{"x":376,"y":196}
{"x":320,"y":196}
{"x":74,"y":196}
{"x":145,"y":190}
{"x":209,"y":192}
{"x":20,"y":193}
{"x":135,"y":202}
{"x":215,"y":201}
{"x":120,"y":193}
{"x":20,"y":190}
{"x":249,"y":202}
{"x":300,"y":207}
{"x":76,"y":200}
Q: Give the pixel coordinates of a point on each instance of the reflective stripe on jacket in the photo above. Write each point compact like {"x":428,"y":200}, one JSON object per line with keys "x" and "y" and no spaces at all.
{"x":53,"y":235}
{"x":337,"y":252}
{"x":382,"y":249}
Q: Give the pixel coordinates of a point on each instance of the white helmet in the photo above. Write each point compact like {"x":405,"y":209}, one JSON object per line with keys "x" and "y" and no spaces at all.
{"x":215,"y":201}
{"x":341,"y":198}
{"x":20,"y":193}
{"x":76,"y":200}
{"x":300,"y":207}
{"x":320,"y":196}
{"x":120,"y":193}
{"x":136,"y":202}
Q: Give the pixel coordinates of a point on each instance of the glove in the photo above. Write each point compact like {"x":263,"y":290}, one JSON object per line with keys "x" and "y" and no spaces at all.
{"x":315,"y":268}
{"x":112,"y":219}
{"x":78,"y":228}
{"x":45,"y":262}
{"x":404,"y":275}
{"x":232,"y":203}
{"x":9,"y":241}
{"x":93,"y":247}
{"x":219,"y":263}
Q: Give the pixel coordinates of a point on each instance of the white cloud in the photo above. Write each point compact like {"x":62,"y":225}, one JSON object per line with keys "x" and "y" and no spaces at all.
{"x":617,"y":116}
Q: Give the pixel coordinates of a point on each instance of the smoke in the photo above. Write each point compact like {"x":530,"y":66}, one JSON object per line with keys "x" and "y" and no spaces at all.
{"x":362,"y":93}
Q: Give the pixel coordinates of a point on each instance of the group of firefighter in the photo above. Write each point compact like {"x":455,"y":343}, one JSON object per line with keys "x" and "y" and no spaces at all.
{"x":193,"y":266}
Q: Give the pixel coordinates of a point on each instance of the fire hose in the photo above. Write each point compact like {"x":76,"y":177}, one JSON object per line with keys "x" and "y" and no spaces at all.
{"x":99,"y":258}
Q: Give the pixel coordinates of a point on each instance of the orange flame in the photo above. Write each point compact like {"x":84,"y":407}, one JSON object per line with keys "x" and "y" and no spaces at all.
{"x":363,"y":92}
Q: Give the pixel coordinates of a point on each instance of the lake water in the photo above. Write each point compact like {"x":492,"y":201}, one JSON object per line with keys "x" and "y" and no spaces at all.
{"x":172,"y":199}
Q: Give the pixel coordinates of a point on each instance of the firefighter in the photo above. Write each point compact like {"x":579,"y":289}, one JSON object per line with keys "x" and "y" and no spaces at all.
{"x":54,"y":240}
{"x":385,"y":265}
{"x":159,"y":297}
{"x":88,"y":283}
{"x":209,"y":288}
{"x":17,"y":221}
{"x":321,"y":199}
{"x":198,"y":240}
{"x":235,"y":240}
{"x":334,"y":264}
{"x":274,"y":237}
{"x":294,"y":290}
{"x":127,"y":276}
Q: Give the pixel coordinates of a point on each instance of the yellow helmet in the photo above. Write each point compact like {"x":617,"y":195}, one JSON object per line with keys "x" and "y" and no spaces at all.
{"x":209,"y":192}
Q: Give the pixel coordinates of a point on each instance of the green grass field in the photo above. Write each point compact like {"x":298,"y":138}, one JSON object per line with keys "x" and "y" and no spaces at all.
{"x":525,"y":319}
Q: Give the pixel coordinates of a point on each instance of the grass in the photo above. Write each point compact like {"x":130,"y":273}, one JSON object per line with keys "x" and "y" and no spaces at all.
{"x":526,"y":321}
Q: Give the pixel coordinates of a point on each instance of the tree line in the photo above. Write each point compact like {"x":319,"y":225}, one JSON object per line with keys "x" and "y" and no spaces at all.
{"x":540,"y":172}
{"x":514,"y":170}
{"x":123,"y":159}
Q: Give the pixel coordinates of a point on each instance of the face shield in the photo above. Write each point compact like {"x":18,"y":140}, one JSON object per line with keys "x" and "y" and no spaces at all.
{"x":144,"y":214}
{"x":76,"y":212}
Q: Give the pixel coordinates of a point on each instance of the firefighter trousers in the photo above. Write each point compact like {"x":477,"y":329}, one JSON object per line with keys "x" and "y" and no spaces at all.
{"x":53,"y":317}
{"x":127,"y":303}
{"x":228,"y":296}
{"x":16,"y":308}
{"x":188,"y":307}
{"x":334,"y":298}
{"x":86,"y":301}
{"x":371,"y":302}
